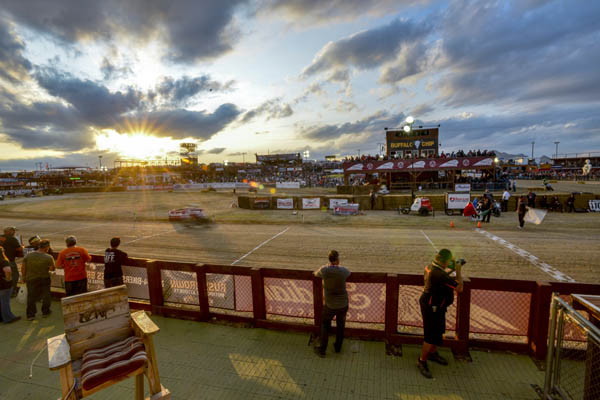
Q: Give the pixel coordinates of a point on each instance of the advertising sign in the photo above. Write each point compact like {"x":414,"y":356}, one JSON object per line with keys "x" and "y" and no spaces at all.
{"x":287,"y":185}
{"x":432,"y":164}
{"x":285,"y":204}
{"x":262,"y":203}
{"x":348,"y":209}
{"x":462,"y":187}
{"x":458,"y":201}
{"x":333,"y":203}
{"x":308,"y":204}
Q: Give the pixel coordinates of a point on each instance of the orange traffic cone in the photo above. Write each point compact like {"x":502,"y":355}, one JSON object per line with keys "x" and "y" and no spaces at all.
{"x":451,"y":224}
{"x":479,"y":224}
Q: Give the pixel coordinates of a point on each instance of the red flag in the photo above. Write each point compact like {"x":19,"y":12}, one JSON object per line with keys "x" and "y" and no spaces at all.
{"x":469,"y":210}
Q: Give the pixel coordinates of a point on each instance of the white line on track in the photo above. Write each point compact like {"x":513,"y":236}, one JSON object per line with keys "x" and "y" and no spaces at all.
{"x":260,"y":245}
{"x":429,"y":240}
{"x":547,"y":268}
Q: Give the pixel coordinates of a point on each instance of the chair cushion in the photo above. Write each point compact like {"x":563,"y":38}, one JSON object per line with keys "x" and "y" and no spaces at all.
{"x":112,"y":362}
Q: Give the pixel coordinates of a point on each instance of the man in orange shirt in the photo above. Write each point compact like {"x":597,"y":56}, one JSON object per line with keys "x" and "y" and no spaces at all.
{"x":72,"y":260}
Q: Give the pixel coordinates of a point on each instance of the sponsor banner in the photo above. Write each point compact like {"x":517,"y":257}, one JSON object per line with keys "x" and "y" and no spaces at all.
{"x":311,"y":203}
{"x":348,"y":209}
{"x":262,"y":203}
{"x":333,"y":203}
{"x":214,"y":185}
{"x":594,"y":205}
{"x":151,"y":187}
{"x":287,"y":185}
{"x":285,"y":204}
{"x":462,"y":187}
{"x":278,"y":157}
{"x":430,"y":164}
{"x":458,"y":201}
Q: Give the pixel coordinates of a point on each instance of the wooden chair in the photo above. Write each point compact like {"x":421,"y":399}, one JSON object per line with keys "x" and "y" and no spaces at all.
{"x":101,"y":321}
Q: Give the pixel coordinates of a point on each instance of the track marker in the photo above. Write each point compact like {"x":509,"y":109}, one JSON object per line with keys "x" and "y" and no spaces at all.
{"x":429,"y":240}
{"x":547,"y":268}
{"x":260,"y":245}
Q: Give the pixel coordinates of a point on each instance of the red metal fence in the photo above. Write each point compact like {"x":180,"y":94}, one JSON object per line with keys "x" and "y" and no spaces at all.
{"x":490,"y":313}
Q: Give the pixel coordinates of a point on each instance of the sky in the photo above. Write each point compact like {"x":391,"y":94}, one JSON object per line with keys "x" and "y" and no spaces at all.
{"x":126,"y":79}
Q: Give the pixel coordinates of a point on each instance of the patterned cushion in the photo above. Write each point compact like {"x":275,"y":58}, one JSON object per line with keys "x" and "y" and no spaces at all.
{"x":112,"y":362}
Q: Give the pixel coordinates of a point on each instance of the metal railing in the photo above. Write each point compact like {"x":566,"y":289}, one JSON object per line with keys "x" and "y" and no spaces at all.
{"x":573,"y":358}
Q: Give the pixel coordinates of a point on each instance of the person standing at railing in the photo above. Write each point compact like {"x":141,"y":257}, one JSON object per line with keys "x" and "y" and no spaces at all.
{"x":72,"y":260}
{"x":438,"y":295}
{"x":336,"y":301}
{"x":113,"y":264}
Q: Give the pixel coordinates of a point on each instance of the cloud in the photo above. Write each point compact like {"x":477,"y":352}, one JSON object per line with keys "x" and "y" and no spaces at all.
{"x":422,"y":109}
{"x":346,"y":106}
{"x":216,"y":150}
{"x":315,"y":88}
{"x":368,"y":49}
{"x":13,"y":66}
{"x":45,"y":125}
{"x":374,"y":123}
{"x":311,"y":12}
{"x":191,"y":30}
{"x":180,"y":123}
{"x":93,"y":101}
{"x":112,"y":71}
{"x":272,"y":109}
{"x":179,"y":91}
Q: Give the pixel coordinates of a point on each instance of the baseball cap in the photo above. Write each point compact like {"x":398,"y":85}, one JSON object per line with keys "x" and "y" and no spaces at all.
{"x":34,"y":239}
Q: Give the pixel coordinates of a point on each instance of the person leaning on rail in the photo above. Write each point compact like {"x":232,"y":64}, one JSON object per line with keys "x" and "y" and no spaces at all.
{"x":438,"y":295}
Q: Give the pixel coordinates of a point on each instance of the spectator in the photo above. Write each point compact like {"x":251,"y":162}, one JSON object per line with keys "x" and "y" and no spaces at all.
{"x":486,"y":209}
{"x":531,"y":199}
{"x":555,"y":204}
{"x":36,"y":275}
{"x":6,"y":315}
{"x":113,"y":264}
{"x":544,"y":202}
{"x":522,"y":210}
{"x":438,"y":295}
{"x":73,"y":260}
{"x":12,"y":249}
{"x":505,"y":198}
{"x":571,"y":203}
{"x":336,"y":302}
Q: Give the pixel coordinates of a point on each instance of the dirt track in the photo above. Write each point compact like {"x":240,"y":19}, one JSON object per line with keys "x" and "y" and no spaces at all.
{"x":569,"y":243}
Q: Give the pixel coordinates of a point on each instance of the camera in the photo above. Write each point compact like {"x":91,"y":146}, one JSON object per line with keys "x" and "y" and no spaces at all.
{"x":461,"y":261}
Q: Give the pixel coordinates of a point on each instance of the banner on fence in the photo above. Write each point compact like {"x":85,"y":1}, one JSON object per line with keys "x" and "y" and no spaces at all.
{"x":285,"y":204}
{"x":347,"y":209}
{"x":333,"y":203}
{"x":462,"y":187}
{"x":311,"y":203}
{"x":458,"y":201}
{"x":287,"y":185}
{"x":594,"y":205}
{"x":262,"y":203}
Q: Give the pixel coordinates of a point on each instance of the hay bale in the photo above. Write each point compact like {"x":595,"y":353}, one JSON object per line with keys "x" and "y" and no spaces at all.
{"x":394,"y":201}
{"x":244,"y":202}
{"x":344,"y":189}
{"x":364,"y":202}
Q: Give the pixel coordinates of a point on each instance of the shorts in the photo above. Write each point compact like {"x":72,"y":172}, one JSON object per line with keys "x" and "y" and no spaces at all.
{"x":434,"y":323}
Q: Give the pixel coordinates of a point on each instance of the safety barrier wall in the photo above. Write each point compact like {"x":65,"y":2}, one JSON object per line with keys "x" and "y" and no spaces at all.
{"x":497,"y":314}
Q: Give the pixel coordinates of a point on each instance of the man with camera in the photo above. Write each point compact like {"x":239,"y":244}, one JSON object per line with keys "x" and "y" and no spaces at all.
{"x":438,"y":295}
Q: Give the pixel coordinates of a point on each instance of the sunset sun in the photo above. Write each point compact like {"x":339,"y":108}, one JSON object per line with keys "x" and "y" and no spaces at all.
{"x":138,"y":145}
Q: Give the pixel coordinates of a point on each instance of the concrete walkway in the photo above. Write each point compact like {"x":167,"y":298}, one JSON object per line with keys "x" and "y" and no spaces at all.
{"x":214,"y":361}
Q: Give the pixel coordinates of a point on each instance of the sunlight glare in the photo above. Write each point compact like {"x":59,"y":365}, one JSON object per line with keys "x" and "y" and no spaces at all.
{"x":135,"y":145}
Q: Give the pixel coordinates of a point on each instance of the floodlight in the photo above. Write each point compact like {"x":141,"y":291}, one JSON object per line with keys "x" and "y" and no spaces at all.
{"x":410,"y":120}
{"x":406,"y":128}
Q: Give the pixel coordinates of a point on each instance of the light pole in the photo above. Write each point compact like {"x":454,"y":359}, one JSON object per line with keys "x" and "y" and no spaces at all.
{"x":556,"y":153}
{"x":100,"y":161}
{"x":532,"y":143}
{"x":244,"y":158}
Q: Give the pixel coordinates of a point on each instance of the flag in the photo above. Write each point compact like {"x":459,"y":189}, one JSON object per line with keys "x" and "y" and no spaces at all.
{"x":475,"y":203}
{"x":535,"y":215}
{"x":469,"y":210}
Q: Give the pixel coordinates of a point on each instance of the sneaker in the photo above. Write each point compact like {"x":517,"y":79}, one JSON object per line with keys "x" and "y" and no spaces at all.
{"x":435,"y":357}
{"x":337,"y":348}
{"x":47,"y":315}
{"x":15,"y":319}
{"x":318,"y":352}
{"x":424,"y":369}
{"x":30,"y":318}
{"x":519,"y":226}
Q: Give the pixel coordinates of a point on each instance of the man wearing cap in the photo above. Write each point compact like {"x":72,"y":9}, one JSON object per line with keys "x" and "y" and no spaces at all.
{"x":12,"y":248}
{"x":437,"y":296}
{"x":72,"y":260}
{"x":36,"y":275}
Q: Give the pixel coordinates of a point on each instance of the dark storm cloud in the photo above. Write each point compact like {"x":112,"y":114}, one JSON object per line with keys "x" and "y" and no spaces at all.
{"x":216,"y":150}
{"x":368,"y":49}
{"x":527,"y":52}
{"x":272,"y":109}
{"x":324,"y":11}
{"x":191,"y":30}
{"x":45,"y":126}
{"x":179,"y":91}
{"x":180,"y":123}
{"x":371,"y":124}
{"x":13,"y":66}
{"x":94,"y":102}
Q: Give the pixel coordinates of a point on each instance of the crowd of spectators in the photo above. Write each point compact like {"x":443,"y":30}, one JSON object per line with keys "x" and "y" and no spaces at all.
{"x":408,"y":155}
